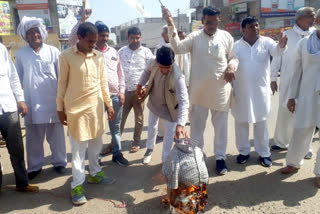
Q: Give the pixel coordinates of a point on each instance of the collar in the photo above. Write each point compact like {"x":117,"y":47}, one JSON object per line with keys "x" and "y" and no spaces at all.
{"x":76,"y":50}
{"x":301,"y":32}
{"x":104,"y":49}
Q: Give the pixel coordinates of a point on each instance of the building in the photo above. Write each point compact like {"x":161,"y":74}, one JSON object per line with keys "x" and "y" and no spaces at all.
{"x":151,"y":29}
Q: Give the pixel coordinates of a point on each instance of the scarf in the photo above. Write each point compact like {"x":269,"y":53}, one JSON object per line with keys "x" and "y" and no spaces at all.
{"x":301,"y":32}
{"x":314,"y":43}
{"x":30,"y":22}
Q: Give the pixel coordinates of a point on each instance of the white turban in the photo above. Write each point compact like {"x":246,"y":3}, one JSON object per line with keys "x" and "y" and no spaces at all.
{"x":31,"y":22}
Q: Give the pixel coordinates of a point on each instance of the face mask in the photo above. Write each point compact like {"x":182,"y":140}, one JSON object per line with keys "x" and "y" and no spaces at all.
{"x":317,"y":27}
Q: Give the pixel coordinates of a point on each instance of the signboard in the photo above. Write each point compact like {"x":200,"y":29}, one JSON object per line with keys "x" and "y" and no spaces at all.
{"x":6,"y":26}
{"x":69,"y":13}
{"x":233,"y":28}
{"x":277,"y":8}
{"x":35,"y":8}
{"x":196,"y":25}
{"x":239,"y":8}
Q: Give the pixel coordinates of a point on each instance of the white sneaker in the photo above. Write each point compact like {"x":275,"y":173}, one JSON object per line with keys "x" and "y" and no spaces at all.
{"x":146,"y":159}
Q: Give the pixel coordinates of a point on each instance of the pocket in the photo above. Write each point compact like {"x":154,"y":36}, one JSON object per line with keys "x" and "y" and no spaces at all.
{"x":217,"y":51}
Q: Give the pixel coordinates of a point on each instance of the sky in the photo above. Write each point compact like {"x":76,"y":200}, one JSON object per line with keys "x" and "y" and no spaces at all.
{"x":117,"y":12}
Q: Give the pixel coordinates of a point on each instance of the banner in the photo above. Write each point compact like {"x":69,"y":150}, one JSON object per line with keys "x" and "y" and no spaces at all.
{"x":233,"y":28}
{"x":277,"y":8}
{"x":196,"y":25}
{"x":6,"y":25}
{"x":69,"y":13}
{"x":35,"y":8}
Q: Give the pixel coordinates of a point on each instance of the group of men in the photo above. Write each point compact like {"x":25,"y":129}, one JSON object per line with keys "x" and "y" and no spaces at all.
{"x":187,"y":77}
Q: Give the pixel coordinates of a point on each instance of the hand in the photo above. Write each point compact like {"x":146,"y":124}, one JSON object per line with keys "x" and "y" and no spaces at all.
{"x":166,"y":15}
{"x":86,"y":13}
{"x":283,"y":41}
{"x":22,"y":108}
{"x":122,"y":98}
{"x":274,"y":87}
{"x":229,"y":73}
{"x":141,"y":94}
{"x":110,"y":113}
{"x":180,"y":132}
{"x":62,"y":117}
{"x":291,"y":105}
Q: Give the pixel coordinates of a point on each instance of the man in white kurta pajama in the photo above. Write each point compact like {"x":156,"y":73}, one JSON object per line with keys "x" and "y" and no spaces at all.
{"x":38,"y":67}
{"x":304,"y":100}
{"x":212,"y":68}
{"x":251,"y":89}
{"x":285,"y":119}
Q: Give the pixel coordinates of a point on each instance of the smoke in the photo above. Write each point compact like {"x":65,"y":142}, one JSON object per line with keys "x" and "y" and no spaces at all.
{"x":138,"y":6}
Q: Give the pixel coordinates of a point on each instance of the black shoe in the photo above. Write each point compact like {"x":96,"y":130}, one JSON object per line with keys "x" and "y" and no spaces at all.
{"x":60,"y":169}
{"x":277,"y":148}
{"x":119,"y":159}
{"x":266,"y":162}
{"x":242,"y":158}
{"x":221,"y":167}
{"x":32,"y":175}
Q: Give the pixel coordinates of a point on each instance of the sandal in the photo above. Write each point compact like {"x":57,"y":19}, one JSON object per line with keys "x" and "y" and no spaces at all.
{"x":134,"y":149}
{"x":107,"y":150}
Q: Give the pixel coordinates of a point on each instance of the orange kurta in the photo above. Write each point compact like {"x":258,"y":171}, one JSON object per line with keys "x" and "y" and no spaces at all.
{"x":82,"y":92}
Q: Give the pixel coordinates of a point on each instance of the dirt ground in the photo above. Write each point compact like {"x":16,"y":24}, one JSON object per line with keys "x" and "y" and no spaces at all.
{"x":248,"y":188}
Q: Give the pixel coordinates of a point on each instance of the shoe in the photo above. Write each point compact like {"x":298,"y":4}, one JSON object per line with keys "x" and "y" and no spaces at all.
{"x":318,"y":182}
{"x":106,"y":151}
{"x":134,"y":149}
{"x":147,"y":156}
{"x":308,"y":156}
{"x":33,"y":174}
{"x":60,"y":169}
{"x":77,"y":196}
{"x":277,"y":148}
{"x":100,"y":178}
{"x":29,"y":188}
{"x":266,"y":162}
{"x":119,"y":159}
{"x":242,"y":158}
{"x":159,"y":139}
{"x":289,"y":170}
{"x":221,"y":167}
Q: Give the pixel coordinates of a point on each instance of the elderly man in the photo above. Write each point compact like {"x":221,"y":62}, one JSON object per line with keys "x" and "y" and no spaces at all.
{"x":251,"y":89}
{"x":212,"y":69}
{"x":11,"y":96}
{"x":134,"y":59}
{"x":116,"y":85}
{"x":168,"y":99}
{"x":304,"y":100}
{"x":38,"y":67}
{"x":285,"y":120}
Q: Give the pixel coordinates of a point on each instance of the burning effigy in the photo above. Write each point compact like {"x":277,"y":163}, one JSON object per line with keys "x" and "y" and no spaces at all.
{"x":187,"y":176}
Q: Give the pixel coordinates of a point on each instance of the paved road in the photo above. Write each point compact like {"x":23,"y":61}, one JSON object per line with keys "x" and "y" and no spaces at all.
{"x":248,"y":188}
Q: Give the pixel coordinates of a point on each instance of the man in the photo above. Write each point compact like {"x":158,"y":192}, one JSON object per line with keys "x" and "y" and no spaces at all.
{"x":168,"y":99}
{"x":252,"y":94}
{"x":82,"y":92}
{"x":134,"y":59}
{"x":12,"y":101}
{"x":212,"y":70}
{"x":38,"y":67}
{"x":116,"y":85}
{"x":285,"y":120}
{"x":183,"y":60}
{"x":304,"y":100}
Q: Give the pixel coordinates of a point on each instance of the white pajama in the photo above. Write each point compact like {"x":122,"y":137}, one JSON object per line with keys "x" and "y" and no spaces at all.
{"x":169,"y":134}
{"x":299,"y":146}
{"x":161,"y":127}
{"x":317,"y":165}
{"x":261,"y":138}
{"x":35,"y":134}
{"x":219,"y":120}
{"x":78,"y":150}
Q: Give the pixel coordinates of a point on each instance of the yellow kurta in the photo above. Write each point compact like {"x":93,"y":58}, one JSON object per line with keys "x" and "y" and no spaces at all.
{"x":82,"y":91}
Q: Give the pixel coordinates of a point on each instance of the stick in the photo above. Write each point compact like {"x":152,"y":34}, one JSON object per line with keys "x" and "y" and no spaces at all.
{"x":161,"y":3}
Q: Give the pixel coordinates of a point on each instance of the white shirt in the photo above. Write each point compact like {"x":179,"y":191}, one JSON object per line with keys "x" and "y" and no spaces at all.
{"x":304,"y":82}
{"x":284,"y":65}
{"x":252,"y":93}
{"x":134,"y":63}
{"x":10,"y":87}
{"x":210,"y":56}
{"x":38,"y":73}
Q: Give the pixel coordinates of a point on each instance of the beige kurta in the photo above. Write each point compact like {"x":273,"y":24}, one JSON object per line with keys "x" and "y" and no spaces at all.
{"x":82,"y":91}
{"x":210,"y":56}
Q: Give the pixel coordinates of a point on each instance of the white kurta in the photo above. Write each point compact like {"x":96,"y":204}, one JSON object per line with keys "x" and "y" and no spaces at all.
{"x":284,"y":65}
{"x":252,"y":91}
{"x":39,"y":77}
{"x":210,"y":56}
{"x":303,"y":86}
